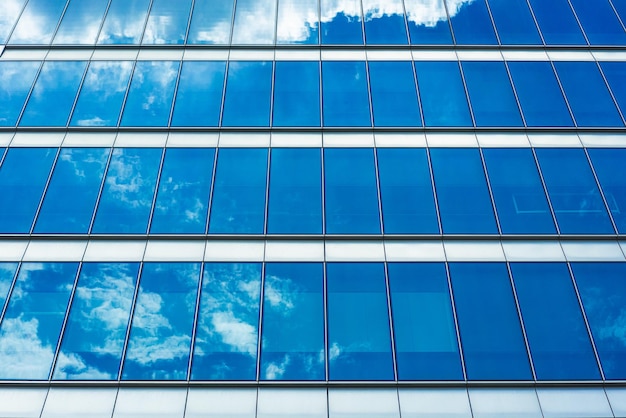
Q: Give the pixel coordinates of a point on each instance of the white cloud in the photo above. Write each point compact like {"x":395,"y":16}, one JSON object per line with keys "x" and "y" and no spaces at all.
{"x":24,"y":355}
{"x":275,"y":371}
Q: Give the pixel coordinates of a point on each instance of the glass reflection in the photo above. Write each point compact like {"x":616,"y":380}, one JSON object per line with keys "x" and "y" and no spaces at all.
{"x":611,"y":172}
{"x":561,"y":31}
{"x":255,"y":22}
{"x":514,"y":22}
{"x":341,"y":22}
{"x":296,"y":94}
{"x":394,"y":95}
{"x":9,"y":12}
{"x":599,"y":22}
{"x":211,"y":22}
{"x":615,"y":73}
{"x":345,"y":94}
{"x":124,"y":22}
{"x":428,"y":21}
{"x":384,"y":22}
{"x":7,"y":273}
{"x":248,"y":94}
{"x":16,"y":79}
{"x":298,"y":22}
{"x":471,"y":23}
{"x":37,"y":22}
{"x":81,"y":22}
{"x":167,"y":23}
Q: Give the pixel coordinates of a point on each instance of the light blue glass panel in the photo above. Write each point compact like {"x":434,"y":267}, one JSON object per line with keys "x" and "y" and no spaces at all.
{"x":491,"y":335}
{"x":125,"y":21}
{"x":297,"y":94}
{"x":9,"y":13}
{"x":471,"y":23}
{"x":394,"y":95}
{"x":599,"y":22}
{"x":444,"y":102}
{"x":255,"y":22}
{"x":160,"y":335}
{"x":182,"y":200}
{"x":573,"y":191}
{"x":423,"y":322}
{"x":101,"y":96}
{"x":490,"y":93}
{"x":238,"y":204}
{"x":539,"y":94}
{"x":615,"y":73}
{"x":248,"y":94}
{"x":7,"y":272}
{"x":32,"y":323}
{"x":37,"y":22}
{"x":23,"y":176}
{"x":53,"y":96}
{"x":384,"y":22}
{"x":561,"y":31}
{"x":518,"y":192}
{"x":406,"y":191}
{"x":199,"y":95}
{"x":71,"y":196}
{"x":514,"y":22}
{"x":461,"y":189}
{"x":351,"y":192}
{"x":227,"y":332}
{"x":167,"y":23}
{"x":428,"y":22}
{"x":298,"y":22}
{"x":345,"y":96}
{"x":211,"y":22}
{"x":81,"y":22}
{"x":341,"y":23}
{"x":292,"y":346}
{"x":16,"y":80}
{"x":611,"y":171}
{"x":295,"y":197}
{"x":359,"y":343}
{"x":96,"y":327}
{"x":556,"y":332}
{"x":128,"y":191}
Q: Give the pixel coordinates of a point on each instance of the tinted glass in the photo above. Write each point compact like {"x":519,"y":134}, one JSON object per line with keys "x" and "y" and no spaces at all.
{"x":611,"y":171}
{"x":471,"y":23}
{"x":342,"y":23}
{"x":125,"y":21}
{"x":620,"y":6}
{"x":296,"y":94}
{"x":211,"y":22}
{"x":248,"y":94}
{"x":394,"y":96}
{"x":199,"y":94}
{"x":7,"y":272}
{"x":561,"y":31}
{"x":16,"y":80}
{"x":514,"y":22}
{"x":81,"y":22}
{"x":167,"y":23}
{"x":615,"y":73}
{"x":345,"y":96}
{"x":255,"y":22}
{"x":38,"y":22}
{"x":384,"y":22}
{"x":298,"y":22}
{"x":9,"y":12}
{"x":428,"y":25}
{"x":599,"y":22}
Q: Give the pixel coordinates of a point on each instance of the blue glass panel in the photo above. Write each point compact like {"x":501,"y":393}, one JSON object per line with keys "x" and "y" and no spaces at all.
{"x":587,"y":94}
{"x":81,"y":23}
{"x":255,"y":22}
{"x":292,"y":346}
{"x":351,"y":191}
{"x":124,"y":22}
{"x":345,"y":98}
{"x":428,"y":24}
{"x":615,"y":73}
{"x":423,"y":322}
{"x":298,"y":22}
{"x":464,"y":202}
{"x":211,"y":22}
{"x":384,"y":22}
{"x":160,"y":335}
{"x":227,"y":332}
{"x":16,"y":80}
{"x":471,"y":23}
{"x":38,"y":22}
{"x":518,"y":192}
{"x":101,"y":96}
{"x":295,"y":198}
{"x":32,"y":323}
{"x":406,"y":192}
{"x":603,"y":292}
{"x":71,"y":196}
{"x":341,"y":23}
{"x":556,"y":332}
{"x":96,"y":327}
{"x":182,"y":200}
{"x":491,"y":95}
{"x":491,"y":335}
{"x":128,"y":191}
{"x":442,"y":94}
{"x":394,"y":96}
{"x":359,"y":343}
{"x":573,"y":191}
{"x":199,"y":95}
{"x":167,"y":23}
{"x":620,"y":6}
{"x":539,"y":94}
{"x":514,"y":22}
{"x":52,"y":98}
{"x":561,"y":31}
{"x":150,"y":96}
{"x":9,"y":13}
{"x":599,"y":22}
{"x":297,"y":94}
{"x":611,"y":171}
{"x":23,"y":176}
{"x":239,"y":192}
{"x":248,"y":94}
{"x":7,"y":272}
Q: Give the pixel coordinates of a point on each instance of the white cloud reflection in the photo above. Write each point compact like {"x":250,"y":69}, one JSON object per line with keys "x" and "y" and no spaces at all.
{"x":9,"y":12}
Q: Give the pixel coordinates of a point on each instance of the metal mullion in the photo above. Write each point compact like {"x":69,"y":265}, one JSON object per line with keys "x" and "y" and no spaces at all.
{"x":323,"y":190}
{"x":454,"y":314}
{"x":545,"y":191}
{"x":196,"y":315}
{"x":19,"y":16}
{"x":493,"y":23}
{"x":320,"y":70}
{"x":100,"y":191}
{"x":260,"y":323}
{"x":319,"y":23}
{"x":277,"y":3}
{"x":558,"y":80}
{"x":532,"y":13}
{"x":127,"y":92}
{"x":224,"y":85}
{"x":363,"y":37}
{"x":104,"y":16}
{"x":608,"y":87}
{"x":369,"y":89}
{"x":597,"y":180}
{"x":325,"y":302}
{"x":232,"y":28}
{"x":145,"y":23}
{"x":272,"y":87}
{"x":467,"y":96}
{"x":30,"y":92}
{"x":156,"y":190}
{"x":519,"y":104}
{"x":417,"y":91}
{"x":78,"y":91}
{"x":267,"y":190}
{"x":392,"y":336}
{"x":4,"y":155}
{"x":174,"y":96}
{"x":44,"y":191}
{"x":5,"y":306}
{"x":210,"y":201}
{"x":449,"y":20}
{"x":580,"y":25}
{"x":378,"y":193}
{"x":56,"y":29}
{"x":621,"y":21}
{"x":434,"y":190}
{"x":493,"y":200}
{"x":191,"y":10}
{"x":406,"y":23}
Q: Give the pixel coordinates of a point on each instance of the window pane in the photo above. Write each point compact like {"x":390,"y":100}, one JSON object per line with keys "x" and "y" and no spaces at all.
{"x":345,"y":96}
{"x":81,"y":22}
{"x":199,"y":95}
{"x":394,"y":96}
{"x":167,"y":23}
{"x":599,"y":22}
{"x":210,"y":22}
{"x":428,"y":22}
{"x":255,"y":22}
{"x":341,"y":22}
{"x":7,"y":272}
{"x":611,"y":171}
{"x":471,"y":23}
{"x":514,"y":22}
{"x":384,"y":22}
{"x":248,"y":94}
{"x":124,"y":22}
{"x":297,"y":94}
{"x":38,"y":22}
{"x":298,"y":22}
{"x":615,"y":73}
{"x":9,"y":13}
{"x":16,"y":79}
{"x":620,"y":6}
{"x":561,"y":31}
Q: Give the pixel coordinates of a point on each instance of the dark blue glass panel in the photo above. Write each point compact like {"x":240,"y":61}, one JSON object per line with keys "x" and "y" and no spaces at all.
{"x":491,"y":335}
{"x":9,"y":13}
{"x":442,"y":94}
{"x":384,"y":23}
{"x":461,"y":188}
{"x":359,"y":343}
{"x":71,"y":196}
{"x":296,"y":94}
{"x":32,"y":323}
{"x":7,"y":272}
{"x":298,"y":22}
{"x":539,"y":94}
{"x":199,"y":95}
{"x":227,"y":332}
{"x":128,"y":191}
{"x":255,"y":22}
{"x":248,"y":94}
{"x":341,"y":23}
{"x":615,"y":73}
{"x":556,"y":332}
{"x":16,"y":80}
{"x":406,"y":192}
{"x":81,"y":23}
{"x":124,"y":22}
{"x":573,"y":191}
{"x":620,"y":6}
{"x":428,"y":24}
{"x":211,"y":22}
{"x":423,"y":323}
{"x":23,"y":176}
{"x":514,"y":22}
{"x":602,"y":288}
{"x":345,"y":98}
{"x":96,"y":327}
{"x":491,"y":95}
{"x":292,"y":345}
{"x":599,"y":22}
{"x":351,"y":191}
{"x":587,"y":94}
{"x":150,"y":96}
{"x":182,"y":201}
{"x":518,"y":192}
{"x":160,"y":335}
{"x":167,"y":23}
{"x":295,"y":198}
{"x":561,"y":31}
{"x":394,"y":96}
{"x":52,"y":98}
{"x":471,"y":23}
{"x":239,"y":192}
{"x":611,"y":171}
{"x":37,"y":22}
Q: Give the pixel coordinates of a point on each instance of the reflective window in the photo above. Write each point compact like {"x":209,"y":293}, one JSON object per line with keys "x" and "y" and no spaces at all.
{"x":292,"y":346}
{"x":615,"y":73}
{"x":255,"y":22}
{"x":611,"y":171}
{"x":428,"y":23}
{"x":227,"y":331}
{"x":296,"y":94}
{"x":16,"y":80}
{"x":341,"y":23}
{"x":345,"y":94}
{"x":199,"y":94}
{"x":620,"y":6}
{"x":384,"y":22}
{"x":96,"y":327}
{"x":7,"y":272}
{"x":359,"y":343}
{"x":298,"y":22}
{"x":211,"y":22}
{"x":561,"y":31}
{"x":514,"y":22}
{"x":38,"y":22}
{"x":81,"y":22}
{"x":394,"y":96}
{"x":124,"y":22}
{"x":599,"y":22}
{"x":248,"y":94}
{"x":471,"y":23}
{"x":9,"y":12}
{"x":167,"y":23}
